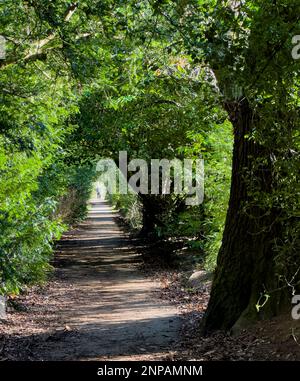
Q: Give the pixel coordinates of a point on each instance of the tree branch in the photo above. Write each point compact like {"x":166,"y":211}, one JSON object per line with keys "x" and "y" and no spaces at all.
{"x":36,"y":50}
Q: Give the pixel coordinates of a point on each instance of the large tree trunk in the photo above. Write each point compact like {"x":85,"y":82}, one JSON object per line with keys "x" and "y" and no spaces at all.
{"x":245,"y":267}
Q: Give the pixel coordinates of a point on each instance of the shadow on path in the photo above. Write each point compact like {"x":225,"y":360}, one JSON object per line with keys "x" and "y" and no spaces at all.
{"x":111,"y":310}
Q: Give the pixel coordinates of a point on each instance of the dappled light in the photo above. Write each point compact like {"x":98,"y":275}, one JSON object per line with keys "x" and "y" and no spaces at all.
{"x":149,"y":184}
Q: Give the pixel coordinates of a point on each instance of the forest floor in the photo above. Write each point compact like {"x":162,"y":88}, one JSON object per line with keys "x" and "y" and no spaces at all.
{"x":112,"y":297}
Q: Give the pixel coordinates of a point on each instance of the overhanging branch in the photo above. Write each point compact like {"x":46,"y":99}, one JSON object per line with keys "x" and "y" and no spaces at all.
{"x":36,"y":50}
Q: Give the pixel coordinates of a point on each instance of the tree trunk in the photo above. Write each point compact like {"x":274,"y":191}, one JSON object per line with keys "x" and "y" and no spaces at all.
{"x":245,"y":267}
{"x":148,"y":214}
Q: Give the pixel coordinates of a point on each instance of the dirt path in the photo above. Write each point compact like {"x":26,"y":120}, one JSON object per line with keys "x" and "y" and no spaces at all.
{"x":100,"y":306}
{"x":111,"y":311}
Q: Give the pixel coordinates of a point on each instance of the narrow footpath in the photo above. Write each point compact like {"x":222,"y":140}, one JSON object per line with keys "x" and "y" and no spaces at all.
{"x":112,"y":310}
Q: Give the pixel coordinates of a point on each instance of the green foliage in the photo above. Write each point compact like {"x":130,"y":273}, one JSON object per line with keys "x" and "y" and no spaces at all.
{"x":85,"y":80}
{"x":27,"y":234}
{"x":155,"y":82}
{"x":130,"y":208}
{"x":217,"y":187}
{"x":36,"y":102}
{"x":178,"y":93}
{"x":80,"y":183}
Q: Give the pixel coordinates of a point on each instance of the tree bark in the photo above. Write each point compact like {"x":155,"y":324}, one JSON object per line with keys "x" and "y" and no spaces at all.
{"x":245,"y":266}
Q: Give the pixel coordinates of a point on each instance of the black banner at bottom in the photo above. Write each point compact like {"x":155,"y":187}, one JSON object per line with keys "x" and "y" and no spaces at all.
{"x":129,"y":370}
